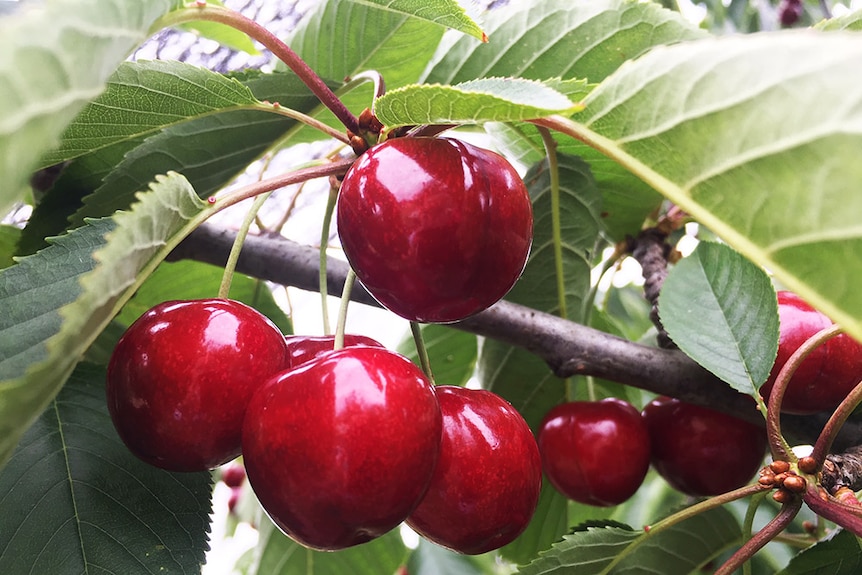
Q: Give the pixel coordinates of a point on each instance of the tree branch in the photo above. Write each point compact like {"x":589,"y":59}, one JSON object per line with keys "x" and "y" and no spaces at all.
{"x":568,"y":348}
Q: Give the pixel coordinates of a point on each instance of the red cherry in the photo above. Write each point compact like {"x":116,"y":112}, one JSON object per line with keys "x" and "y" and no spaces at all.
{"x":436,"y":229}
{"x":180,"y":377}
{"x":303,"y":348}
{"x":596,"y":453}
{"x":233,"y":475}
{"x":700,"y":451}
{"x":827,"y":374}
{"x":486,"y":485}
{"x":341,"y":449}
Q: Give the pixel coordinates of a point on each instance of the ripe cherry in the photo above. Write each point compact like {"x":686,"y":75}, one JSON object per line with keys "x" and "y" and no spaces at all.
{"x":436,"y":229}
{"x":303,"y":348}
{"x":486,"y":485}
{"x":596,"y":453}
{"x":827,"y":374}
{"x":341,"y":449}
{"x":700,"y":451}
{"x":180,"y":377}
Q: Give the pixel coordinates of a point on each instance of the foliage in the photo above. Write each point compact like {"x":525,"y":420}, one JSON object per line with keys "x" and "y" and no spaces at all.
{"x":620,"y":113}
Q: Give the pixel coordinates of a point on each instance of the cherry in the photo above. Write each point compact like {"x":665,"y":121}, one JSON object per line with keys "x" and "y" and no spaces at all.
{"x":700,"y":451}
{"x":486,"y":485}
{"x":596,"y":453}
{"x":233,"y":475}
{"x":436,"y":229}
{"x":827,"y":374}
{"x":303,"y":348}
{"x":180,"y":377}
{"x":341,"y":449}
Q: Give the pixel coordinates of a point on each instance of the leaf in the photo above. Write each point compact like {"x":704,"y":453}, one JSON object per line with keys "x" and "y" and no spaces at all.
{"x":9,"y":236}
{"x":448,"y":13}
{"x":677,"y":549}
{"x":277,"y":554}
{"x":144,"y":97}
{"x":223,"y":34}
{"x":452,"y":353}
{"x":850,"y":21}
{"x":768,"y":167}
{"x":53,"y":60}
{"x":62,"y":297}
{"x":73,"y":499}
{"x":721,"y":310}
{"x":519,"y":376}
{"x":840,"y":554}
{"x":474,"y":102}
{"x":430,"y":559}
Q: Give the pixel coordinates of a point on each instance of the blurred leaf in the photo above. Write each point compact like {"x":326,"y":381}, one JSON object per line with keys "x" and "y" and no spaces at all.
{"x":8,"y":240}
{"x":223,"y":34}
{"x":61,"y":298}
{"x":678,"y":549}
{"x":769,"y":166}
{"x":840,"y":554}
{"x":852,"y":21}
{"x":452,"y":353}
{"x":277,"y":554}
{"x":448,"y":13}
{"x":721,"y":310}
{"x":188,"y":279}
{"x":430,"y":559}
{"x":625,"y":313}
{"x":474,"y":102}
{"x":53,"y":59}
{"x":73,"y":499}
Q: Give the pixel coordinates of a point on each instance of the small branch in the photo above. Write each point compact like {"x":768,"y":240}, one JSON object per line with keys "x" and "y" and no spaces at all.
{"x":567,"y":347}
{"x":651,"y":251}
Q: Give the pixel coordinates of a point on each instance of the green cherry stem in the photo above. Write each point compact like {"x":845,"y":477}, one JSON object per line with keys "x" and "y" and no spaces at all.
{"x":781,"y":520}
{"x":324,"y":243}
{"x":342,"y":309}
{"x":421,"y":350}
{"x":833,"y":425}
{"x":236,"y":248}
{"x":777,"y":444}
{"x":748,"y":522}
{"x":232,"y":18}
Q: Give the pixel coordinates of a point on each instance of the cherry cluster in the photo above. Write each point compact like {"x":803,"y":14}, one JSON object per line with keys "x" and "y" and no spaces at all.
{"x":598,"y":453}
{"x":342,"y":443}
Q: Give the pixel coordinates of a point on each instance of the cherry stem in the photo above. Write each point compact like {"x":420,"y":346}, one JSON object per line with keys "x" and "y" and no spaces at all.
{"x":342,"y":309}
{"x":781,"y":520}
{"x":777,"y":444}
{"x":372,"y":76}
{"x":422,"y":350}
{"x":324,"y":243}
{"x":748,"y":522}
{"x":684,"y":514}
{"x":834,"y":424}
{"x":236,"y":248}
{"x":269,"y":40}
{"x":833,"y":510}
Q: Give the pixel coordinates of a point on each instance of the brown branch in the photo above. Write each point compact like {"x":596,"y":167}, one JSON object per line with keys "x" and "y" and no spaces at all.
{"x":567,"y":347}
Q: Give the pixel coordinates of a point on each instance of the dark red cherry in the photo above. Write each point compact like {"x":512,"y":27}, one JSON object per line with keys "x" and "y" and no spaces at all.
{"x":180,"y":377}
{"x":487,"y":482}
{"x":700,"y":451}
{"x":596,"y":453}
{"x":435,"y":228}
{"x":827,"y":374}
{"x":303,"y":348}
{"x":341,"y":449}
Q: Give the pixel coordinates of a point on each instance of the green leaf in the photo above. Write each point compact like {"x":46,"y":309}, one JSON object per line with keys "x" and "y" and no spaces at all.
{"x":277,"y":554}
{"x":678,"y":549}
{"x":9,"y":236}
{"x":73,"y":499}
{"x":452,"y":353}
{"x":62,"y":297}
{"x":768,"y":165}
{"x":53,"y":59}
{"x":721,"y":310}
{"x":448,"y":13}
{"x":223,"y":34}
{"x":840,"y":554}
{"x":474,"y":102}
{"x":188,"y":279}
{"x":519,"y":376}
{"x":850,"y":21}
{"x":430,"y":559}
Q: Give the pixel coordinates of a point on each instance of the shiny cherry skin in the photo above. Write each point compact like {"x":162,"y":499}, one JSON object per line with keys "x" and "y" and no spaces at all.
{"x":596,"y":453}
{"x":702,"y":452}
{"x":180,"y":377}
{"x":827,"y":374}
{"x":341,"y":449}
{"x":303,"y":348}
{"x":486,"y":486}
{"x":435,"y":228}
